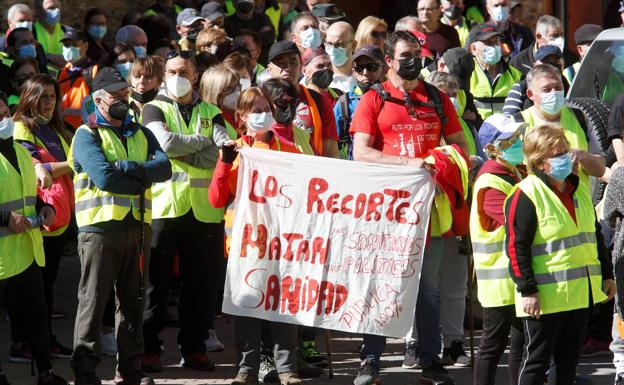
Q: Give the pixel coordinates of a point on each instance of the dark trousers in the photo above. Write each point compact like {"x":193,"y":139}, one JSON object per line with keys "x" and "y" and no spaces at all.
{"x":110,"y":260}
{"x":557,"y":336}
{"x":27,"y":307}
{"x":200,"y":249}
{"x":601,"y":322}
{"x":497,"y":324}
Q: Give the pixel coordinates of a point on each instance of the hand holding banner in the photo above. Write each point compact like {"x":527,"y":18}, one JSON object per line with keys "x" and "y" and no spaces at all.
{"x":327,"y":243}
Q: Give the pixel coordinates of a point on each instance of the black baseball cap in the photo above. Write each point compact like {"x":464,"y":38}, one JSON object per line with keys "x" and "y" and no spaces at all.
{"x":282,"y":47}
{"x":587,"y":33}
{"x":109,"y":80}
{"x":482,"y":32}
{"x":328,"y":11}
{"x":370,"y":51}
{"x":547,"y":50}
{"x":74,"y":34}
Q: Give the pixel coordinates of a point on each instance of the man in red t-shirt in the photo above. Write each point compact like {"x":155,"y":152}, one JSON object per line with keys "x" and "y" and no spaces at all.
{"x":402,"y":134}
{"x":314,"y":114}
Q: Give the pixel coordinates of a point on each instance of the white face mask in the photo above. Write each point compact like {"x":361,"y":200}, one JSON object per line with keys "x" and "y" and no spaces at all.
{"x":178,"y":86}
{"x":259,"y":123}
{"x":230,"y":100}
{"x":24,"y":24}
{"x":6,"y":128}
{"x":558,"y":42}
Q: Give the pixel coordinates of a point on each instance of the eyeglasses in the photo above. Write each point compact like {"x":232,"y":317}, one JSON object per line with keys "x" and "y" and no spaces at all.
{"x":370,"y":67}
{"x":175,"y":53}
{"x":428,"y":10}
{"x":379,"y":34}
{"x":337,"y":45}
{"x":229,"y":90}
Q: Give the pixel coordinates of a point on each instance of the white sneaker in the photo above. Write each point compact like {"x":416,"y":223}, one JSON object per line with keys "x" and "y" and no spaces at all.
{"x":109,"y":344}
{"x":212,"y":342}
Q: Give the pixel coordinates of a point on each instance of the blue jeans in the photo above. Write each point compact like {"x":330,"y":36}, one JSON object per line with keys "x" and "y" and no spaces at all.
{"x":427,"y":316}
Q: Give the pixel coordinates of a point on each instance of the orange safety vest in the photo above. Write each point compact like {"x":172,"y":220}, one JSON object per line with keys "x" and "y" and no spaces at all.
{"x":73,"y":90}
{"x":317,"y":135}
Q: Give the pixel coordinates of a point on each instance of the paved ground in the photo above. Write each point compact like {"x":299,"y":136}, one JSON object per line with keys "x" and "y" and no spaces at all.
{"x":599,"y":369}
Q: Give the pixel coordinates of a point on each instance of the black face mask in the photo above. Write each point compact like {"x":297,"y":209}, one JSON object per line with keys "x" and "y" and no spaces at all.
{"x":409,"y":69}
{"x":286,"y":115}
{"x":453,"y":13}
{"x":118,"y":110}
{"x":145,"y":97}
{"x":245,"y":7}
{"x":323,"y":78}
{"x":365,"y":86}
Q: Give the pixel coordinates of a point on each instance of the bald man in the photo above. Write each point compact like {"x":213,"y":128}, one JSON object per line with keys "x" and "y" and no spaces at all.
{"x":340,"y":45}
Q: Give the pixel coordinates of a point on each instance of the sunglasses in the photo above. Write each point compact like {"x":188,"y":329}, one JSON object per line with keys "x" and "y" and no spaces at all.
{"x":370,"y":67}
{"x":379,"y":35}
{"x":175,"y":53}
{"x":506,"y":143}
{"x":283,"y":103}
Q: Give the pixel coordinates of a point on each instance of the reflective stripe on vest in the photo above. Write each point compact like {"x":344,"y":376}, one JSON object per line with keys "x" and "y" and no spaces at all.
{"x":96,"y":206}
{"x":487,"y":100}
{"x":491,"y":264}
{"x":574,"y":133}
{"x":19,"y":194}
{"x":188,"y":188}
{"x":565,"y":255}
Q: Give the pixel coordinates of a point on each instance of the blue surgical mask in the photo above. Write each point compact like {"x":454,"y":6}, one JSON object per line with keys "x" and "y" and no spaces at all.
{"x":492,"y":54}
{"x":500,"y":13}
{"x":311,"y":38}
{"x":513,"y":155}
{"x":71,"y":54}
{"x":124,"y":69}
{"x":552,"y":102}
{"x":140,"y":51}
{"x":6,"y":128}
{"x":52,"y":16}
{"x":97,"y":31}
{"x":28,"y":50}
{"x":337,"y":55}
{"x":560,"y":167}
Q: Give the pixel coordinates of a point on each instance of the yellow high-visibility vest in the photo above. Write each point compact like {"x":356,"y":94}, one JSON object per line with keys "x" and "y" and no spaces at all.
{"x":19,"y":194}
{"x":96,"y":206}
{"x":188,"y":187}
{"x":491,"y":263}
{"x":564,"y":253}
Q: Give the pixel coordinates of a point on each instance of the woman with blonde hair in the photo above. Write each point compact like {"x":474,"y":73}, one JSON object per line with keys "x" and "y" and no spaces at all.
{"x":371,"y":31}
{"x":558,"y":260}
{"x":221,"y":86}
{"x":214,"y":41}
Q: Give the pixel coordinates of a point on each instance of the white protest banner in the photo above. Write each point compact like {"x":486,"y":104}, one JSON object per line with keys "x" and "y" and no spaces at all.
{"x":327,"y":243}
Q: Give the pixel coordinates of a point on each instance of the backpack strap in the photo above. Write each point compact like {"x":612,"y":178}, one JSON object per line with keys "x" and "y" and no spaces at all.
{"x":432,"y":92}
{"x":434,"y":95}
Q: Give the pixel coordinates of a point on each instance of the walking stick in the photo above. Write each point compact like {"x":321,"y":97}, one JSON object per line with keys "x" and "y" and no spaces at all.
{"x":330,"y":372}
{"x":142,"y":245}
{"x":470,"y":267}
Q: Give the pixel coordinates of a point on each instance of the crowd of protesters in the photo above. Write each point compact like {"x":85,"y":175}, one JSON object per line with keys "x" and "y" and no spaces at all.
{"x":120,"y":147}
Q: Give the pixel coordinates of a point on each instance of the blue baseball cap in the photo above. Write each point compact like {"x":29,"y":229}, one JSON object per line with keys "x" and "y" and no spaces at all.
{"x":499,"y":127}
{"x":547,"y":50}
